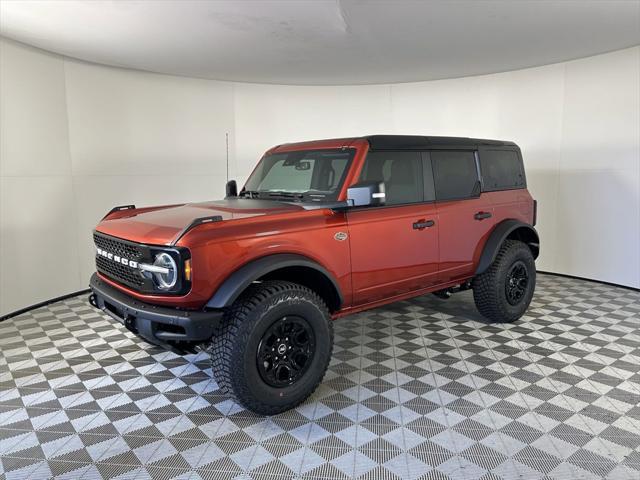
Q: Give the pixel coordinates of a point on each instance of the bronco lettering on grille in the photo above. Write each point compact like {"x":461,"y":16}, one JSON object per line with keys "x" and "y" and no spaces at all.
{"x":116,"y":258}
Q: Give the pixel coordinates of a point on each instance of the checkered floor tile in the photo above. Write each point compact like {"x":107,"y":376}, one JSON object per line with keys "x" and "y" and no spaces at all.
{"x":419,"y":389}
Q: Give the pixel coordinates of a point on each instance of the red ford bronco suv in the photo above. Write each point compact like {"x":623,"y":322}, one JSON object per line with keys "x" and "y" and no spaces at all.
{"x":320,"y":230}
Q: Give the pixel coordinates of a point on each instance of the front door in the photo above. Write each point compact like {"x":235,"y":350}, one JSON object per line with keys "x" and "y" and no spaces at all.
{"x":394,"y":248}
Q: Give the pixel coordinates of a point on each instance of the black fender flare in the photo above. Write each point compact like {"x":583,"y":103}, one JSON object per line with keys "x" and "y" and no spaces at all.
{"x":500,"y":233}
{"x":239,"y":280}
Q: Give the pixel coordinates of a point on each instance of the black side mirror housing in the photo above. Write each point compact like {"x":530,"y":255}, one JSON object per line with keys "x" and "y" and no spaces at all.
{"x":231,"y":189}
{"x":364,"y":194}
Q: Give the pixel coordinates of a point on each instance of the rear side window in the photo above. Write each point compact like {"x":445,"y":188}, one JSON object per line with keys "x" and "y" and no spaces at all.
{"x":455,"y":174}
{"x":401,"y":173}
{"x":501,"y":170}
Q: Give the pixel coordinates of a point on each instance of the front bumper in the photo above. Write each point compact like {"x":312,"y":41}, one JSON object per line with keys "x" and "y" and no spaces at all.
{"x":176,"y":330}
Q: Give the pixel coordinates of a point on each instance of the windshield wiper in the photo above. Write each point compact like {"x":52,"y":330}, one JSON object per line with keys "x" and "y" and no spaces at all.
{"x":273,"y":194}
{"x":250,"y":193}
{"x":295,"y":196}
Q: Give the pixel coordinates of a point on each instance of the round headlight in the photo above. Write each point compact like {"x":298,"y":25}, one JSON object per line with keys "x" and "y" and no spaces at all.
{"x":169,"y":276}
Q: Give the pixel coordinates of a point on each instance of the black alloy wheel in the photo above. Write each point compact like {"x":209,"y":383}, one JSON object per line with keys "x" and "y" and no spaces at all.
{"x":504,"y":291}
{"x":273,"y":347}
{"x":516,"y":283}
{"x":286,"y":351}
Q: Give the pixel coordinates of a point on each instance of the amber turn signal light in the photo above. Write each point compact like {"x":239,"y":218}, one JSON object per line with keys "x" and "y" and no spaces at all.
{"x":187,"y":270}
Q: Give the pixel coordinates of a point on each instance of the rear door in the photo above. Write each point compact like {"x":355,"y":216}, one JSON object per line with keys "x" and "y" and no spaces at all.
{"x":394,"y":247}
{"x":465,"y":214}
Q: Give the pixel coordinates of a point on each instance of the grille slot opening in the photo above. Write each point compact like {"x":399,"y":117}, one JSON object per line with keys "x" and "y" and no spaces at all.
{"x":112,"y":309}
{"x":163,"y":327}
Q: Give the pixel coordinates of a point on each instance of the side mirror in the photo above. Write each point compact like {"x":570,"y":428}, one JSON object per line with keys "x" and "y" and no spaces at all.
{"x":231,"y":189}
{"x":366,"y":194}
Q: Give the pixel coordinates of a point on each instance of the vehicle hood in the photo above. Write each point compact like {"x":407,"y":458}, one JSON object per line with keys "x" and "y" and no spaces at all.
{"x":164,"y":225}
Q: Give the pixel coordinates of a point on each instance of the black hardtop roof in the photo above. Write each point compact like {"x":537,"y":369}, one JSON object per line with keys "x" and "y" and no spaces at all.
{"x":419,"y":142}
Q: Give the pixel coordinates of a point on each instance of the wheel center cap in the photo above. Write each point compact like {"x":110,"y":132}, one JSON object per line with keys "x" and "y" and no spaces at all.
{"x":282,"y":348}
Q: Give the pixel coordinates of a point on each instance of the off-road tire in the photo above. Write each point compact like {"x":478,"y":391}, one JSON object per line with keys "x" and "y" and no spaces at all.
{"x":489,"y":288}
{"x":234,"y":346}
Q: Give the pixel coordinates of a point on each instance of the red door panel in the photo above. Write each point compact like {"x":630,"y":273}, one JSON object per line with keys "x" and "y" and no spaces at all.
{"x":388,"y":255}
{"x":462,"y":236}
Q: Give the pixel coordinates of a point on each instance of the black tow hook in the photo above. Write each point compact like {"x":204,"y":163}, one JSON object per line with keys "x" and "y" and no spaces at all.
{"x":93,"y":301}
{"x":130,"y":323}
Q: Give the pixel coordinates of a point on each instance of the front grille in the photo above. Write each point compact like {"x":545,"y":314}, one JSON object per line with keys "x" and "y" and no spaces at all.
{"x":114,"y":270}
{"x":119,"y":273}
{"x":118,"y":247}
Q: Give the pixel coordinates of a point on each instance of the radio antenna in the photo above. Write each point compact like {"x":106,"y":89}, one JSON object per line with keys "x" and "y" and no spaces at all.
{"x":226,"y":135}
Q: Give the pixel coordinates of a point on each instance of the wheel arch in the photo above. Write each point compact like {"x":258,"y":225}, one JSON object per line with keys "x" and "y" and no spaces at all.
{"x":283,"y":266}
{"x":508,"y":230}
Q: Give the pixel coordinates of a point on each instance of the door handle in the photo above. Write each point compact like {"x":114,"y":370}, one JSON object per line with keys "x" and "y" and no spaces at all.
{"x":422,"y":224}
{"x":482,"y":215}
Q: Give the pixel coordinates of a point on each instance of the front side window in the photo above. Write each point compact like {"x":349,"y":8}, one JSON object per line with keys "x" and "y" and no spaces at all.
{"x":401,"y":173}
{"x":455,"y":174}
{"x":501,"y":170}
{"x":306,"y":174}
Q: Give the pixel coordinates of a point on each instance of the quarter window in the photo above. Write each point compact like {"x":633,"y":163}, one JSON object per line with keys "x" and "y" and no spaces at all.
{"x":455,"y":175}
{"x":401,"y":173}
{"x":501,"y":170}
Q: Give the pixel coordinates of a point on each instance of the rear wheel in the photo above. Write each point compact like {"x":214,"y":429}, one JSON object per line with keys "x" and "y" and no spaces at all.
{"x":503,"y":293}
{"x":273,"y":347}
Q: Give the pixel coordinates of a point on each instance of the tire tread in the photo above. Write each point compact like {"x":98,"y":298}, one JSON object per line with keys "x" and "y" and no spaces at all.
{"x":487,"y":286}
{"x":229,"y":336}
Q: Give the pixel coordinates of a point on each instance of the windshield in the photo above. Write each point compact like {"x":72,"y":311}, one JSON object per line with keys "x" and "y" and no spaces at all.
{"x":309,"y":174}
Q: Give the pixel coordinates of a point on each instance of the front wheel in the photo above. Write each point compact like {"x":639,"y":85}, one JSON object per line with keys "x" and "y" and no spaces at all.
{"x":503,"y":293}
{"x":273,"y":347}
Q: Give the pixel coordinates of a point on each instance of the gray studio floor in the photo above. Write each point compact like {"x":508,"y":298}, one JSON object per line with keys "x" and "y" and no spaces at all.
{"x":419,"y":389}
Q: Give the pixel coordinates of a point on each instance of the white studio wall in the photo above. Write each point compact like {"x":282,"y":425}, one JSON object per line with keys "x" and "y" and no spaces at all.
{"x":38,"y":240}
{"x":142,"y":139}
{"x":78,"y":138}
